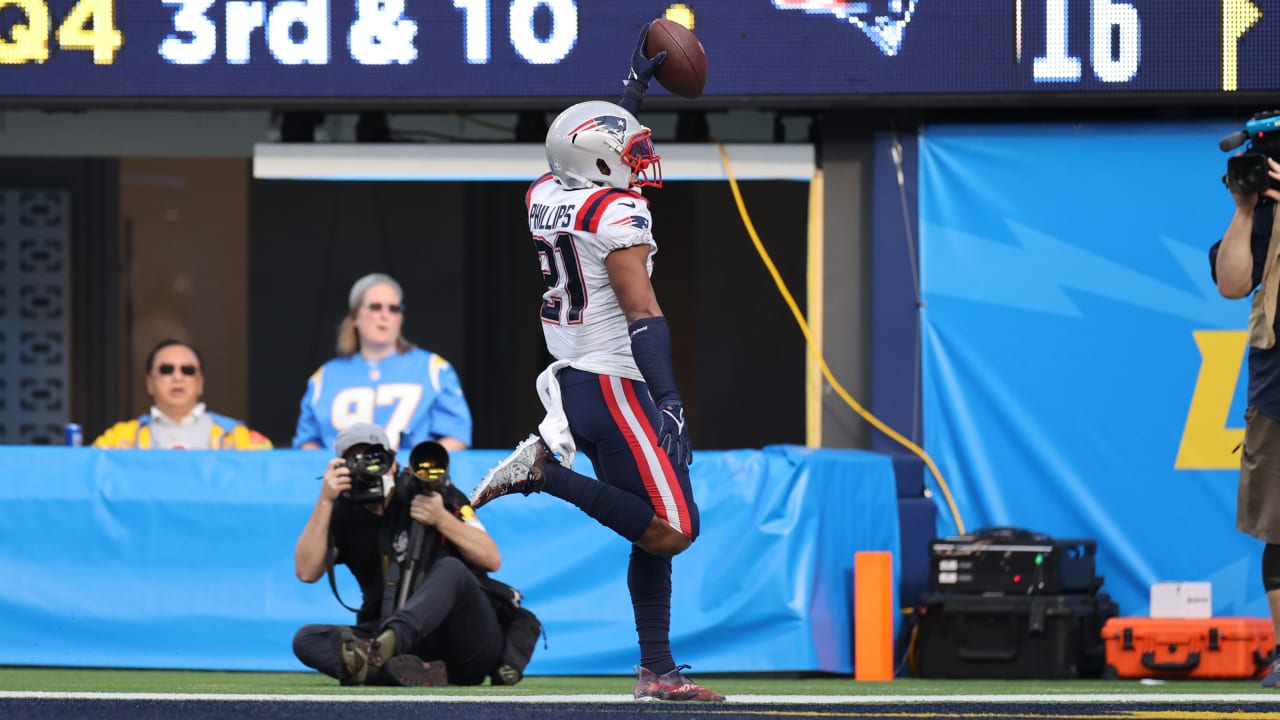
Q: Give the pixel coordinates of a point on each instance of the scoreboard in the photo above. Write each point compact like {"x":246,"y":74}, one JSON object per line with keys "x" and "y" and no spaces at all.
{"x":759,"y":51}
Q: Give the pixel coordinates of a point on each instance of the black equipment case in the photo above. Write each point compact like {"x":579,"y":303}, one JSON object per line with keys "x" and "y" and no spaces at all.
{"x":1012,"y":560}
{"x":962,"y":635}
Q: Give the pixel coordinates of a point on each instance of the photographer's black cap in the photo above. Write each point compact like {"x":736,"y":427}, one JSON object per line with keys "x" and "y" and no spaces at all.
{"x":360,"y":434}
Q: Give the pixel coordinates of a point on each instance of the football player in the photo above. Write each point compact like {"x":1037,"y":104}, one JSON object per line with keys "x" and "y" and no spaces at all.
{"x":611,"y":392}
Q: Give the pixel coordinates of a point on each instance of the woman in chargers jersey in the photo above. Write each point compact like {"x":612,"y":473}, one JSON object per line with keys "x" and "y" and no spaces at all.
{"x":381,"y":378}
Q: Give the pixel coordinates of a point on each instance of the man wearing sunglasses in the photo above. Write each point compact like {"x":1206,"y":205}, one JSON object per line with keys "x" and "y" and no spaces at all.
{"x":178,"y":420}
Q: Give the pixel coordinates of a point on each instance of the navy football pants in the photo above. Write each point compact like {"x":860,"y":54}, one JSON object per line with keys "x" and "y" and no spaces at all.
{"x":614,"y":421}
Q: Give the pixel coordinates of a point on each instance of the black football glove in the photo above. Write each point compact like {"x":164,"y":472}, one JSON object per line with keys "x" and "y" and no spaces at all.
{"x":673,"y":433}
{"x":640,"y":73}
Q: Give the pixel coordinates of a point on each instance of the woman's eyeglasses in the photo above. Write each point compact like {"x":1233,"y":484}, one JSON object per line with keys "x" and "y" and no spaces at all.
{"x":168,"y":368}
{"x":378,"y":307}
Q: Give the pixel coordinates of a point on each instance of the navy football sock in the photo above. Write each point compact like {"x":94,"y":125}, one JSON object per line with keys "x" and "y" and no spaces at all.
{"x":618,"y":510}
{"x":649,"y":580}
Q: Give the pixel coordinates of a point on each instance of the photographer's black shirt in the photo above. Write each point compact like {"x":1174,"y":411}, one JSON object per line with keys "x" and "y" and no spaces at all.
{"x":368,"y":543}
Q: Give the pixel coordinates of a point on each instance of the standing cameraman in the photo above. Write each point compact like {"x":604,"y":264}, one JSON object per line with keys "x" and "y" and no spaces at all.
{"x":372,"y":517}
{"x":1245,"y":259}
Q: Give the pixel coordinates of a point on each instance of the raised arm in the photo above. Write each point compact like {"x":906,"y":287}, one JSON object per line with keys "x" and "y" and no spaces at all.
{"x":639,"y":74}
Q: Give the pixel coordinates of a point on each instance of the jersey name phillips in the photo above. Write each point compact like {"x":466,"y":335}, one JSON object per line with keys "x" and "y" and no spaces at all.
{"x":551,"y":217}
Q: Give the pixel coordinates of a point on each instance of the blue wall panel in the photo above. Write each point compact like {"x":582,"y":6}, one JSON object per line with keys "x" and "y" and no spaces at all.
{"x":168,"y":559}
{"x":1082,"y":376}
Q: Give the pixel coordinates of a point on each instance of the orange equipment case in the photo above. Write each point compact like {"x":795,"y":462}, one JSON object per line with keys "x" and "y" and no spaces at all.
{"x":1218,"y":647}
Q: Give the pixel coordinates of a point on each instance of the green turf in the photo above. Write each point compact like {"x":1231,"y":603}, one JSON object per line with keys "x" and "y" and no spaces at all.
{"x":178,"y":681}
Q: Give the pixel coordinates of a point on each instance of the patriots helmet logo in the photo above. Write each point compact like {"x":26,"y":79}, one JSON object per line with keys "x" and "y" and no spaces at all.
{"x":884,"y":21}
{"x":611,"y":126}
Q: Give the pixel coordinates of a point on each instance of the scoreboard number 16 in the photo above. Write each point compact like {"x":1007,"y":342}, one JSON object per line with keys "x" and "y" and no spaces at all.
{"x":1115,"y":42}
{"x":90,"y":25}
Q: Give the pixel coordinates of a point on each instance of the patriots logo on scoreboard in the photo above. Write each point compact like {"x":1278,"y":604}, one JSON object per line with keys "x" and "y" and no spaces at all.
{"x":886,"y":25}
{"x":637,"y":221}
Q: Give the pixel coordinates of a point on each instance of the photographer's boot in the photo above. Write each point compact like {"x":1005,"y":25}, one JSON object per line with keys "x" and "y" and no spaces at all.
{"x":380,"y":651}
{"x":360,"y":660}
{"x":412,"y":671}
{"x":353,"y":667}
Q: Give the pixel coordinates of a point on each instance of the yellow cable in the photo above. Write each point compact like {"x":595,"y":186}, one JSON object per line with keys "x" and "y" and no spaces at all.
{"x":817,"y":352}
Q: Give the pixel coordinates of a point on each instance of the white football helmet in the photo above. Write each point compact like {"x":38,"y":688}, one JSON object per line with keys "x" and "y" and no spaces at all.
{"x":600,"y":143}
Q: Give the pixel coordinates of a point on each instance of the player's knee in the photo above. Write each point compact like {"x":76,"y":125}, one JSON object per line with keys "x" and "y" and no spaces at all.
{"x":672,"y":544}
{"x":663,"y":540}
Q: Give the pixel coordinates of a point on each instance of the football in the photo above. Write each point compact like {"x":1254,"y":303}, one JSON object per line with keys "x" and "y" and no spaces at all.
{"x":684,"y":72}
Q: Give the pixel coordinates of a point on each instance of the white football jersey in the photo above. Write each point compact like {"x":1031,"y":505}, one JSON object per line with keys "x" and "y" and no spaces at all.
{"x":574,"y":231}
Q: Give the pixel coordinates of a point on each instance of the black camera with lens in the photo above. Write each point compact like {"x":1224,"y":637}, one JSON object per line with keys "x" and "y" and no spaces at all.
{"x":367,"y":463}
{"x":428,"y":470}
{"x":1247,"y":172}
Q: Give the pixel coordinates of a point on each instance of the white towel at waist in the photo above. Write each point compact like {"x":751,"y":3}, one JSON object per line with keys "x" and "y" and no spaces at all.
{"x":554,"y":428}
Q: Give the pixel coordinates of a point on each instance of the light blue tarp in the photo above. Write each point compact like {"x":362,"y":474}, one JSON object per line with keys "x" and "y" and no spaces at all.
{"x":169,"y":559}
{"x":1066,"y":288}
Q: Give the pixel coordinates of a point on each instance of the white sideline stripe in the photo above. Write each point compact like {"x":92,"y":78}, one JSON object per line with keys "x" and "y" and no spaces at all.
{"x":1135,"y":698}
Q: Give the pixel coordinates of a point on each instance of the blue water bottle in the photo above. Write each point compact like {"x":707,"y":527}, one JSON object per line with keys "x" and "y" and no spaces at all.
{"x":74,"y":435}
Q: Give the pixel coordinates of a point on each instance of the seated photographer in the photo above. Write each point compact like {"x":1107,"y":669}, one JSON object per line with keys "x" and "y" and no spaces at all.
{"x":439,"y":627}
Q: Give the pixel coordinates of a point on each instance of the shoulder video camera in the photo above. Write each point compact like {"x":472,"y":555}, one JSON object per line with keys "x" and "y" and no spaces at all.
{"x":367,"y":463}
{"x":1247,"y":172}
